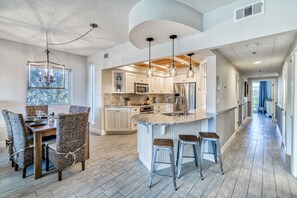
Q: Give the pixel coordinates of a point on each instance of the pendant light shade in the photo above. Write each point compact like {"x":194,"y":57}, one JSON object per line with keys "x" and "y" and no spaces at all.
{"x":172,"y":70}
{"x":190,"y":72}
{"x":149,"y":71}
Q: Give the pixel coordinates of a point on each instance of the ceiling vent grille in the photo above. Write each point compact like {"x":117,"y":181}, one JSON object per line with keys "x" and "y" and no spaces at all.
{"x":249,"y":10}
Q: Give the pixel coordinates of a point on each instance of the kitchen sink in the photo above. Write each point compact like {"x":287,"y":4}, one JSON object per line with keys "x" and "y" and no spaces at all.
{"x":176,"y":113}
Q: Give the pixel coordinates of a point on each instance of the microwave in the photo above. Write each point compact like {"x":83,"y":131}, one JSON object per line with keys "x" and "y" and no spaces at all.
{"x":141,"y":88}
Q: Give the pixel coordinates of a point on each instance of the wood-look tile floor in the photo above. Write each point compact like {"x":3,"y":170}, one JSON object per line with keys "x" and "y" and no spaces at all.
{"x":252,"y":164}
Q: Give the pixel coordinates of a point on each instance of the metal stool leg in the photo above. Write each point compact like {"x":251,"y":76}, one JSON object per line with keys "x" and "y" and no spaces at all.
{"x":180,"y":160}
{"x":171,"y":155}
{"x":195,"y":153}
{"x":197,"y":150}
{"x":202,"y":144}
{"x":214,"y":150}
{"x":219,"y":155}
{"x":177,"y":156}
{"x":153,"y":166}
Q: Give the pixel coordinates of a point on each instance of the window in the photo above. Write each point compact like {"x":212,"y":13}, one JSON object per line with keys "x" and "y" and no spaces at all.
{"x":92,"y":90}
{"x":256,"y":88}
{"x":49,"y":96}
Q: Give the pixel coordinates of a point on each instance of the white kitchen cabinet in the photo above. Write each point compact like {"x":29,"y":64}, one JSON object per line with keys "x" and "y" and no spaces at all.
{"x":141,"y":78}
{"x":130,"y":80}
{"x":163,"y":108}
{"x":118,"y":82}
{"x":168,"y":85}
{"x":152,"y":85}
{"x":183,"y":78}
{"x":161,"y":85}
{"x":117,"y":119}
{"x":134,"y":111}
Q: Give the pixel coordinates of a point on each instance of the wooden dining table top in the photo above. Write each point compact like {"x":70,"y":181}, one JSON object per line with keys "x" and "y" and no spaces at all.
{"x":41,"y":128}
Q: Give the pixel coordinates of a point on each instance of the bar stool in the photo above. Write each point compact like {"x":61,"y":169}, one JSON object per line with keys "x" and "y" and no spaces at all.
{"x":182,"y":142}
{"x":166,"y":145}
{"x":213,"y":138}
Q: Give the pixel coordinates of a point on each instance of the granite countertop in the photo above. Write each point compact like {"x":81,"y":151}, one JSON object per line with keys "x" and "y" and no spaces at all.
{"x":160,"y":119}
{"x":132,"y":106}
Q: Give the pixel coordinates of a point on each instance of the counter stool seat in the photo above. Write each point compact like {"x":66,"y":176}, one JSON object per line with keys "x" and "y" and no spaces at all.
{"x":165,"y":145}
{"x":182,"y":142}
{"x":163,"y":142}
{"x":214,"y":139}
{"x":208,"y":135}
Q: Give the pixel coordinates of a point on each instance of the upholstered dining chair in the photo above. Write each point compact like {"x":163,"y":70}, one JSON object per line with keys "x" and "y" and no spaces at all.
{"x":69,"y":147}
{"x":31,"y":110}
{"x":23,"y":151}
{"x":78,"y":109}
{"x":9,"y":140}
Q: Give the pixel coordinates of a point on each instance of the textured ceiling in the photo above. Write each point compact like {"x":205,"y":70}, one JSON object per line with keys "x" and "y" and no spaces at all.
{"x":25,"y":21}
{"x":271,"y":51}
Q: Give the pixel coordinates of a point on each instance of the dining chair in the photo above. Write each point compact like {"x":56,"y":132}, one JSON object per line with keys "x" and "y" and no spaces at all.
{"x":69,"y":147}
{"x":22,"y":151}
{"x":9,"y":140}
{"x":31,"y":110}
{"x":78,"y":109}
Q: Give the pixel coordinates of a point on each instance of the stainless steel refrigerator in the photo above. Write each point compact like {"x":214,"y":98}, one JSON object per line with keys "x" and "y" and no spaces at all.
{"x":188,"y":90}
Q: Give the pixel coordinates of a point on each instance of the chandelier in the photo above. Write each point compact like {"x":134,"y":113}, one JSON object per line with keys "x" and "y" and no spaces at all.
{"x":51,"y":75}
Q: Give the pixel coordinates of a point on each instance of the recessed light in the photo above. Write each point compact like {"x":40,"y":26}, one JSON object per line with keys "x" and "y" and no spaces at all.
{"x":132,"y":65}
{"x":257,"y":62}
{"x":146,"y":62}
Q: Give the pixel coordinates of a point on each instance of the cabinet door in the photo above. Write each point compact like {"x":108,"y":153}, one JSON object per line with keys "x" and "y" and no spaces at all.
{"x":130,"y":79}
{"x":168,"y":85}
{"x":157,"y":85}
{"x":162,"y":85}
{"x":152,"y":85}
{"x":110,"y":119}
{"x":123,"y":120}
{"x":141,"y":78}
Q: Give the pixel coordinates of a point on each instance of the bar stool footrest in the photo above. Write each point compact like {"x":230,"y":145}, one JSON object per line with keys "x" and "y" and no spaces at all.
{"x":162,"y":162}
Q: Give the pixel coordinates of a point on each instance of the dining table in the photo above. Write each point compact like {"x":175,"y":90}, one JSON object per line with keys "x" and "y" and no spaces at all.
{"x":47,"y":129}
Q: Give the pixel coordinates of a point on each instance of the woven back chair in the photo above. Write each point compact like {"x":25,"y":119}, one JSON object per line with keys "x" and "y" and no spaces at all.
{"x":69,"y":147}
{"x":31,"y":110}
{"x":23,"y":152}
{"x":9,"y":140}
{"x":78,"y":109}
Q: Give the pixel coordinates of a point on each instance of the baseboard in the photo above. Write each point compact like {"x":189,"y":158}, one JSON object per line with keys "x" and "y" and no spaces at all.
{"x":96,"y":131}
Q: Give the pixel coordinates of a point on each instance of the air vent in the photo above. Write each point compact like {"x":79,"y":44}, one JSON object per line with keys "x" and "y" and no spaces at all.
{"x":249,"y":10}
{"x":106,"y":55}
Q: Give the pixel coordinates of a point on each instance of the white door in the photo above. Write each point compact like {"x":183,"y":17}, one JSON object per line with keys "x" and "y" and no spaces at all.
{"x":237,"y":101}
{"x":123,"y":120}
{"x":289,"y":109}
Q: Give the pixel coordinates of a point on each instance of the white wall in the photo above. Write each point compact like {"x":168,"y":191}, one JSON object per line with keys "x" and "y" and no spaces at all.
{"x":13,"y":59}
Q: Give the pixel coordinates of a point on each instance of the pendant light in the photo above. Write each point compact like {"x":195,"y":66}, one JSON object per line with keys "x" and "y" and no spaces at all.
{"x":149,"y":71}
{"x":190,"y":72}
{"x":172,"y":70}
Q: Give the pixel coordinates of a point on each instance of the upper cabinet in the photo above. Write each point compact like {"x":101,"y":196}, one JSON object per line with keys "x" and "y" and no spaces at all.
{"x":130,"y":79}
{"x":124,"y":82}
{"x":118,"y":82}
{"x":183,"y":78}
{"x":141,"y":78}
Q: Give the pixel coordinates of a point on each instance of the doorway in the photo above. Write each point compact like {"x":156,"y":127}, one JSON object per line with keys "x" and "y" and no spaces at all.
{"x":263,"y":97}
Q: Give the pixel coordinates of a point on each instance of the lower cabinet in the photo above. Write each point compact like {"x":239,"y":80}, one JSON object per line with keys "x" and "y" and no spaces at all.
{"x":117,"y":119}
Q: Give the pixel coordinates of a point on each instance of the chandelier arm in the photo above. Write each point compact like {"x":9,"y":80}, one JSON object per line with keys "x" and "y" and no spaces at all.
{"x":71,"y":41}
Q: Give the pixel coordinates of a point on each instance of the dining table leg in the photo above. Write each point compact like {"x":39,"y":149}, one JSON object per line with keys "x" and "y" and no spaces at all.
{"x":37,"y":155}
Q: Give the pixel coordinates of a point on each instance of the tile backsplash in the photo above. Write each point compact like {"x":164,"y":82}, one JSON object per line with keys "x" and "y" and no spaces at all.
{"x":119,"y":99}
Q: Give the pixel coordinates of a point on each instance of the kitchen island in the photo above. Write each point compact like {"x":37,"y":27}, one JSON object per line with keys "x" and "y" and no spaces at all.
{"x":151,"y":126}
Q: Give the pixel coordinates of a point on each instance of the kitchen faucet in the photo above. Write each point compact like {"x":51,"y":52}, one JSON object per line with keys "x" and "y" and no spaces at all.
{"x":185,"y":105}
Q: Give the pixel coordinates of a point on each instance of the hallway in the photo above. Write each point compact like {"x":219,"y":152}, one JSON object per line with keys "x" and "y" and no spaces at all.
{"x":252,"y":165}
